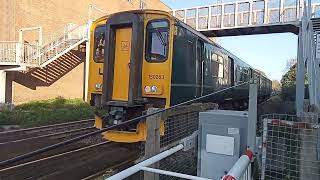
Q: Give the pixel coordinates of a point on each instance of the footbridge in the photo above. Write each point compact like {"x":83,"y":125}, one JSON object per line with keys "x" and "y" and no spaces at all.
{"x":246,"y":17}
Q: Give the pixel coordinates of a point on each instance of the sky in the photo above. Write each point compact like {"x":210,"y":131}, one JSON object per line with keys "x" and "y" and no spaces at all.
{"x":268,"y":52}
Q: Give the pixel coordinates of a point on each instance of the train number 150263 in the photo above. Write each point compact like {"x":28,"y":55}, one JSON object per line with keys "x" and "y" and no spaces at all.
{"x":156,"y":76}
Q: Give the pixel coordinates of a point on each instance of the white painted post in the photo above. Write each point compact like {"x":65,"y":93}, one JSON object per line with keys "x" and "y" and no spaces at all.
{"x":185,"y":16}
{"x":281,"y":11}
{"x":250,"y":12}
{"x":19,"y":50}
{"x":222,"y":15}
{"x":86,"y":73}
{"x":266,"y":14}
{"x":236,"y":14}
{"x":209,"y":17}
{"x":252,"y":115}
{"x":2,"y":87}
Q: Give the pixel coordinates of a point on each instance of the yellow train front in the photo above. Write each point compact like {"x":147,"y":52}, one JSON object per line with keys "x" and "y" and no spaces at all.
{"x":151,"y":59}
{"x":133,"y":80}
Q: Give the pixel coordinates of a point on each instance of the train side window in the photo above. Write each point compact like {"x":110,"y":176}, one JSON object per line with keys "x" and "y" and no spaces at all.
{"x":217,"y":66}
{"x":99,"y":42}
{"x":221,"y":68}
{"x":157,"y":40}
{"x":214,"y":65}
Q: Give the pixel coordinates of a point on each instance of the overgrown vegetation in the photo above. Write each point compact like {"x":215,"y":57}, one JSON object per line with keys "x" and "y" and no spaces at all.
{"x":288,"y":82}
{"x":46,"y":112}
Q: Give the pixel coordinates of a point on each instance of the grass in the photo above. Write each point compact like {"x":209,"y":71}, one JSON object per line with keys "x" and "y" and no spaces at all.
{"x":53,"y":111}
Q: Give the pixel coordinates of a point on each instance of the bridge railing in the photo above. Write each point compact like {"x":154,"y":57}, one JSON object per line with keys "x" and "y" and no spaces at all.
{"x":8,"y":52}
{"x":242,"y":14}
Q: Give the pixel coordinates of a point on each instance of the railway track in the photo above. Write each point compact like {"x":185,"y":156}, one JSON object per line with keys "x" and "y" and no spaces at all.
{"x":14,"y":135}
{"x":82,"y":163}
{"x":27,"y":140}
{"x":17,"y":147}
{"x":87,"y":158}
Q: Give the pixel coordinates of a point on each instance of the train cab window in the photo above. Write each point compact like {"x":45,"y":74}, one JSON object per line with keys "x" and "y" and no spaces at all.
{"x":157,"y":40}
{"x":99,"y":42}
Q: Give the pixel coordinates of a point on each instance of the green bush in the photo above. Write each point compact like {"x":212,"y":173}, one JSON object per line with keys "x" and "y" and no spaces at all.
{"x":47,"y":112}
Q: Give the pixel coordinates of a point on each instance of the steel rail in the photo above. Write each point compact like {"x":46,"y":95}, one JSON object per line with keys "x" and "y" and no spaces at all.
{"x":47,"y":135}
{"x":44,"y":127}
{"x":131,"y":121}
{"x":56,"y":156}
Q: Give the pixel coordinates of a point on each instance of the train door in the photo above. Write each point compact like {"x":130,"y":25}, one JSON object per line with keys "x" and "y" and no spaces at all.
{"x":199,"y":63}
{"x":121,"y":74}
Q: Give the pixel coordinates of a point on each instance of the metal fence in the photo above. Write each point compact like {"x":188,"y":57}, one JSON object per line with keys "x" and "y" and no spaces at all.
{"x":290,"y":148}
{"x":180,"y":124}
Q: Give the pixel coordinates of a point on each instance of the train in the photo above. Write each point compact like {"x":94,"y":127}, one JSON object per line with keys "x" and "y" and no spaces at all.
{"x":148,"y":58}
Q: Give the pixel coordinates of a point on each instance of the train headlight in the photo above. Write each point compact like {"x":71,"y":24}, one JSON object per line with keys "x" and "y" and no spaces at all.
{"x":154,"y":89}
{"x":98,"y":86}
{"x":147,"y":89}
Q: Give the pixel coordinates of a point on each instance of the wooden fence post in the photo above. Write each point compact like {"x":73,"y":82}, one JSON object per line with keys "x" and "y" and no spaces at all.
{"x":152,"y":145}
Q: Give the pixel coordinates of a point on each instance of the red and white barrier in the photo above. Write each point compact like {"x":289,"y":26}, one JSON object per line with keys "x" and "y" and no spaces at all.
{"x":240,"y":168}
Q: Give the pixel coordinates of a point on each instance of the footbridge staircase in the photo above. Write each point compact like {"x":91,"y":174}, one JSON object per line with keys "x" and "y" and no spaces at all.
{"x":21,"y":56}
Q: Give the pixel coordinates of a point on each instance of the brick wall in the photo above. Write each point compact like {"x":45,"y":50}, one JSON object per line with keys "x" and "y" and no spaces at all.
{"x":7,"y":20}
{"x":52,"y":16}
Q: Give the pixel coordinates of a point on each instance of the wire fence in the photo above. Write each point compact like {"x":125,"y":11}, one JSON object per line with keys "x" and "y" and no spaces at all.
{"x":290,"y":147}
{"x":179,"y":123}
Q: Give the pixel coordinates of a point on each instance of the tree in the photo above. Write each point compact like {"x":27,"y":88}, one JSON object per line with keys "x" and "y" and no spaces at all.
{"x":276,"y":86}
{"x":288,"y":82}
{"x":290,"y":62}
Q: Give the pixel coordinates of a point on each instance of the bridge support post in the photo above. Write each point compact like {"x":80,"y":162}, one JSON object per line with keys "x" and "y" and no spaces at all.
{"x":252,"y":115}
{"x":300,"y":76}
{"x":152,"y":145}
{"x":3,"y":78}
